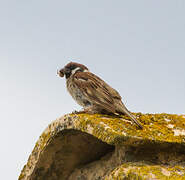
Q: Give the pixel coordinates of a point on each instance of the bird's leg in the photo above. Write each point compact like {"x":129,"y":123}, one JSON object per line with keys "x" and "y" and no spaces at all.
{"x":90,"y":110}
{"x":78,"y":112}
{"x":87,"y":110}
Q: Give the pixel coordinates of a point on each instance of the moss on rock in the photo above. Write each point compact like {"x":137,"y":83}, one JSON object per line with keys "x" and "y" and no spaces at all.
{"x":142,"y":171}
{"x":155,"y":152}
{"x":156,"y":127}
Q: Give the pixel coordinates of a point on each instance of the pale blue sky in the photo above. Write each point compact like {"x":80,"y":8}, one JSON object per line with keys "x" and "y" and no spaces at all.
{"x":138,"y":47}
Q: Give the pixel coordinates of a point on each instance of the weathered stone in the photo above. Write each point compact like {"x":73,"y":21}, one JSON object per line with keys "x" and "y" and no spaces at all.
{"x":81,"y":146}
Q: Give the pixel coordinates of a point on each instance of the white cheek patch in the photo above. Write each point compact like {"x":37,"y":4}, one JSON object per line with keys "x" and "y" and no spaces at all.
{"x":74,"y":70}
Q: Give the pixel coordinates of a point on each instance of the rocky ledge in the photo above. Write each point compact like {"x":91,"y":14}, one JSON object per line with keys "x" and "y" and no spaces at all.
{"x":82,"y":146}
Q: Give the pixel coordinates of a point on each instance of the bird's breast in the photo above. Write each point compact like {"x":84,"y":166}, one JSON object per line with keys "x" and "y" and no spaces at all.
{"x":77,"y":94}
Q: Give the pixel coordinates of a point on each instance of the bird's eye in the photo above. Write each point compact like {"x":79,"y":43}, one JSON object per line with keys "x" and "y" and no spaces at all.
{"x":75,"y":70}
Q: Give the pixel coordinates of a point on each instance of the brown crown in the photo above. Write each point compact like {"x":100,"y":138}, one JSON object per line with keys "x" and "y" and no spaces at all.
{"x":73,"y":65}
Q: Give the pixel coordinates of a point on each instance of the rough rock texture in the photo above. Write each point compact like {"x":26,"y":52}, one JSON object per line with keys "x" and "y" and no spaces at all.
{"x":81,"y":146}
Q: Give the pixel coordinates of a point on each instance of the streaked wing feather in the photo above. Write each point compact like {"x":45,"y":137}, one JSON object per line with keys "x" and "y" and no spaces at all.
{"x":96,"y":90}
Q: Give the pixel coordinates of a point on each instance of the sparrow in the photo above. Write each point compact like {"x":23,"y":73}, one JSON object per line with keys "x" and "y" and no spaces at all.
{"x":92,"y":93}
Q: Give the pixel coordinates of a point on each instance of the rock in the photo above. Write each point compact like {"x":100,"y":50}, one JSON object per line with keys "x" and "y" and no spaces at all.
{"x":82,"y":146}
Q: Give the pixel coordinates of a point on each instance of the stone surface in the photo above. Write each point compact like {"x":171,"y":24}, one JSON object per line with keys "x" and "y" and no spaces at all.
{"x":82,"y":146}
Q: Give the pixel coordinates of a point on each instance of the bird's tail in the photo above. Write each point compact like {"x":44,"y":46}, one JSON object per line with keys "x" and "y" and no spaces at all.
{"x":134,"y":120}
{"x":125,"y":111}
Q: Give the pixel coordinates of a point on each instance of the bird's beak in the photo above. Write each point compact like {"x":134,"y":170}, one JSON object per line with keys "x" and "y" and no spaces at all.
{"x":60,"y":72}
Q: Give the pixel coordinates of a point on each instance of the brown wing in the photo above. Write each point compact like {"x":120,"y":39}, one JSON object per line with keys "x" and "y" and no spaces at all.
{"x":96,"y":90}
{"x":101,"y":94}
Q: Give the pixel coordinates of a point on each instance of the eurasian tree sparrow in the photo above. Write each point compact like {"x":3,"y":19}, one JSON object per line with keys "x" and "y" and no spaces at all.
{"x":91,"y":92}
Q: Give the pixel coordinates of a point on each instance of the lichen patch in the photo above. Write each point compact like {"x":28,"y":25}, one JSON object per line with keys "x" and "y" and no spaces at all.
{"x":170,"y":126}
{"x":165,"y":172}
{"x":178,"y":132}
{"x":90,"y":129}
{"x":155,"y":152}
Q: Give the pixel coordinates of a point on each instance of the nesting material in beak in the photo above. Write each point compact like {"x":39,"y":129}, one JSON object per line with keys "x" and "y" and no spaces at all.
{"x":60,"y":73}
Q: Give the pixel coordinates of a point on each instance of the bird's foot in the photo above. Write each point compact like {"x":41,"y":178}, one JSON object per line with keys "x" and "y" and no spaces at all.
{"x":77,"y":112}
{"x":88,"y":110}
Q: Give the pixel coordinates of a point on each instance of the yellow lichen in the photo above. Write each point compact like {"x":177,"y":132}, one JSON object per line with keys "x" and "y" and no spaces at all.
{"x":155,"y":127}
{"x":144,"y":172}
{"x":114,"y":130}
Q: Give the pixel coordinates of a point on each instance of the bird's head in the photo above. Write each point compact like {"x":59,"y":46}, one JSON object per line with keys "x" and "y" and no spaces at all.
{"x":71,"y":68}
